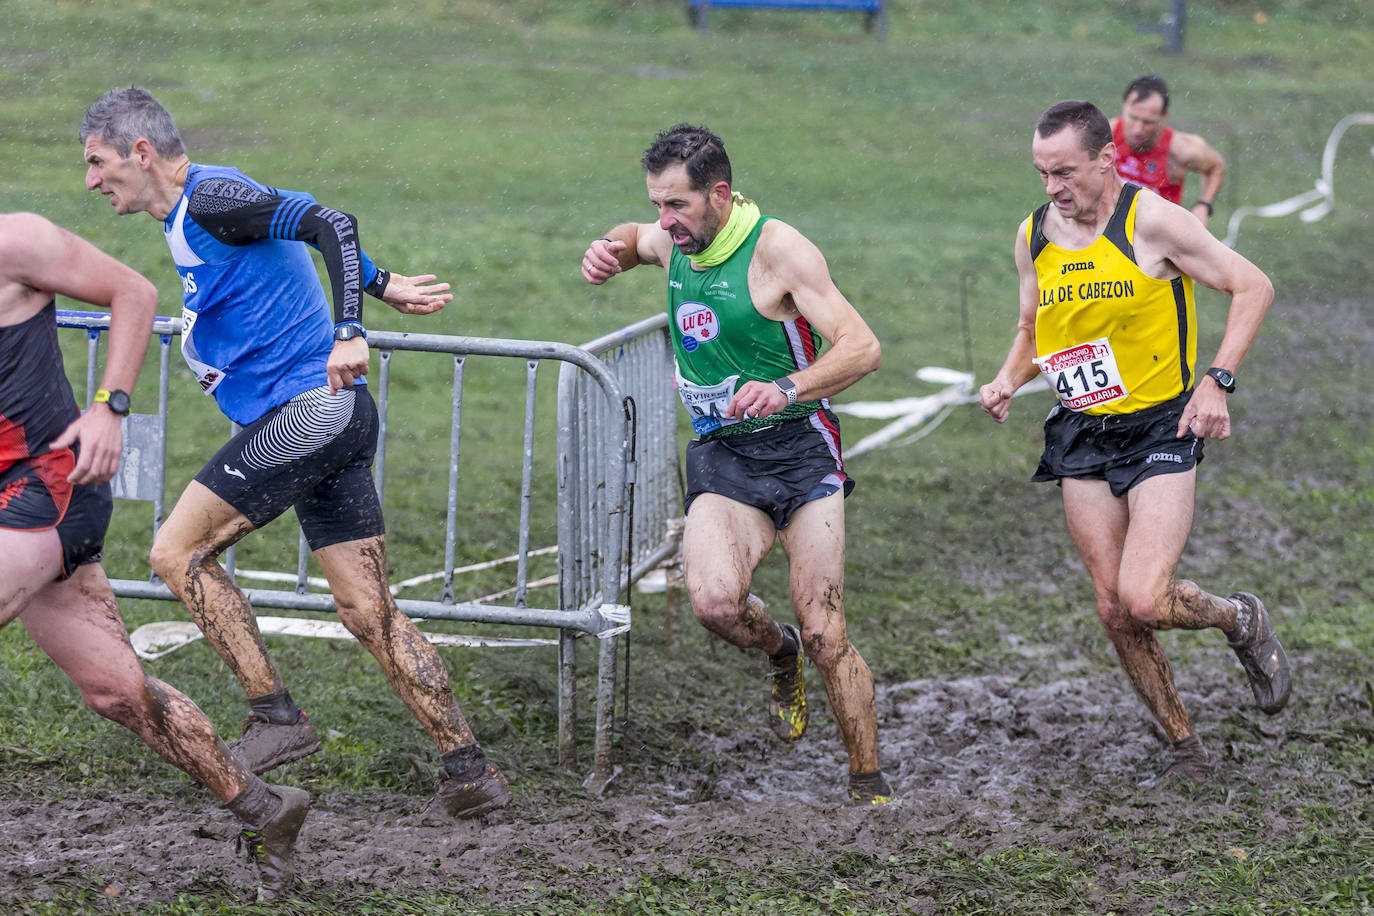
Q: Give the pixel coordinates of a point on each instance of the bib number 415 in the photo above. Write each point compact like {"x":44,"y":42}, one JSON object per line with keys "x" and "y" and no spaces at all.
{"x":1084,"y":375}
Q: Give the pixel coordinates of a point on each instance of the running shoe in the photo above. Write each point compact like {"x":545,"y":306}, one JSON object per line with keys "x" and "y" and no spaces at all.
{"x":266,"y":744}
{"x":455,"y":798}
{"x":787,"y":711}
{"x":270,"y":846}
{"x":1264,"y":661}
{"x":869,"y":789}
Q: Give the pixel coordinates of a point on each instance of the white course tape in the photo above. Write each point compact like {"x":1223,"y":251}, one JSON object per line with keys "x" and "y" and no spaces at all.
{"x":318,"y":582}
{"x":913,"y":412}
{"x":1323,"y":195}
{"x":475,"y":567}
{"x":154,"y":640}
{"x":618,"y":614}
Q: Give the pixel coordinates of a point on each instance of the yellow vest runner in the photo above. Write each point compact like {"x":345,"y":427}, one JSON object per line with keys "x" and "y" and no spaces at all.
{"x":1110,"y":339}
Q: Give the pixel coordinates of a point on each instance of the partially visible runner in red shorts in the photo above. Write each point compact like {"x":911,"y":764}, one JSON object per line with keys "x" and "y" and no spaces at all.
{"x":55,"y":504}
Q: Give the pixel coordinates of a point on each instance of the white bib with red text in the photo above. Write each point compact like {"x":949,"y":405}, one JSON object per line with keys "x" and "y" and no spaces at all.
{"x":1084,"y":375}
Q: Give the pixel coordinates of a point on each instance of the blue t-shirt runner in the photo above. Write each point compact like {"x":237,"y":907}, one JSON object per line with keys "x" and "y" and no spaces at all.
{"x":256,"y":329}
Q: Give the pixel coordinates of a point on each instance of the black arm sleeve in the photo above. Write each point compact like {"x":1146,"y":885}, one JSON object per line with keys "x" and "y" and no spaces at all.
{"x":236,"y":213}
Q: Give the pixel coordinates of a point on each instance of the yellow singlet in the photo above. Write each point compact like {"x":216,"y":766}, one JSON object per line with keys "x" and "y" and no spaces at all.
{"x":1111,"y":339}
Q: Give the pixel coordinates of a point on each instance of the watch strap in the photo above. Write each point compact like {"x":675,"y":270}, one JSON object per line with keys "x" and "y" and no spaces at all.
{"x":347,"y":330}
{"x":117,"y":400}
{"x":789,"y":388}
{"x":1225,"y":378}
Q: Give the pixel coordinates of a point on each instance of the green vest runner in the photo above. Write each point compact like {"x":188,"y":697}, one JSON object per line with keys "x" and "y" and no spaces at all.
{"x":720,"y":341}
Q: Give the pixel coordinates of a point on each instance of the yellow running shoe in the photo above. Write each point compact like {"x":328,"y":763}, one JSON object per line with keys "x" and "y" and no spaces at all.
{"x":787,"y":711}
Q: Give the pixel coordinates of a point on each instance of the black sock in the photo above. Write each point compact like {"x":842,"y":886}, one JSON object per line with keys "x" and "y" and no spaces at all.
{"x":276,"y":707}
{"x":874,"y":783}
{"x":789,"y":648}
{"x":465,"y":763}
{"x":255,"y":805}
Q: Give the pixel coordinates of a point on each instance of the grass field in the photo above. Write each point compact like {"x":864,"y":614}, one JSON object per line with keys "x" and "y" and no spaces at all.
{"x":487,"y":143}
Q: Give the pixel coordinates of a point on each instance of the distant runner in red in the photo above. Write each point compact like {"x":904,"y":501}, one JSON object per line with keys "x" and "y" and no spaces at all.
{"x":1158,"y":157}
{"x":55,"y":503}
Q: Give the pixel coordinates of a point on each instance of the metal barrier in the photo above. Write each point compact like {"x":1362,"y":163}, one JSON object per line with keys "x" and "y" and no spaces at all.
{"x":640,"y":357}
{"x":599,"y":389}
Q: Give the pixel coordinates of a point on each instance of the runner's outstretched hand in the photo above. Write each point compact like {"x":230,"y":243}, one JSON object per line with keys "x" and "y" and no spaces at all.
{"x":418,"y":295}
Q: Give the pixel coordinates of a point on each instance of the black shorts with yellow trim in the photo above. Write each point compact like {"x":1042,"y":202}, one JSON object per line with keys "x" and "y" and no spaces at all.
{"x":1122,"y":449}
{"x":776,"y":469}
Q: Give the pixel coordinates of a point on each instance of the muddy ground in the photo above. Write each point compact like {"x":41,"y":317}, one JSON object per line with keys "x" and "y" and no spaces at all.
{"x":983,"y":762}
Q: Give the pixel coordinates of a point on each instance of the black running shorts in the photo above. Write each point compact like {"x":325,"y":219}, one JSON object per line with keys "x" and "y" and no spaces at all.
{"x":776,"y":469}
{"x":35,"y":496}
{"x":315,"y":453}
{"x":1122,"y":449}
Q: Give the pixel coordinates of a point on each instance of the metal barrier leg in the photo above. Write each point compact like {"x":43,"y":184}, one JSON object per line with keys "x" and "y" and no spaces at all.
{"x":602,"y":769}
{"x":567,"y":700}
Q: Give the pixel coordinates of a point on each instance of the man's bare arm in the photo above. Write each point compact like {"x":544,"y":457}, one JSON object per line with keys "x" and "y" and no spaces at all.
{"x":1191,"y":153}
{"x":627,"y":245}
{"x":799,"y":267}
{"x":53,"y":260}
{"x":1019,"y":366}
{"x":1163,"y":232}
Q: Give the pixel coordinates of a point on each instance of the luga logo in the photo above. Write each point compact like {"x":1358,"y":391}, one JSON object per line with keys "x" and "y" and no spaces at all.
{"x":1076,"y":265}
{"x":697,"y":323}
{"x":188,"y":284}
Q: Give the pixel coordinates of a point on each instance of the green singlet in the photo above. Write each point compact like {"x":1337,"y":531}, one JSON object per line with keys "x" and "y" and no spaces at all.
{"x":720,"y":341}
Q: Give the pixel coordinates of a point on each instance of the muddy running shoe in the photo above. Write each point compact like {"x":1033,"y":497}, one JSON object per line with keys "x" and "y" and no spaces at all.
{"x":270,"y":846}
{"x":869,"y":789}
{"x":787,"y":711}
{"x":1257,"y":647}
{"x":265,"y":744}
{"x":470,"y":799}
{"x":1190,"y":761}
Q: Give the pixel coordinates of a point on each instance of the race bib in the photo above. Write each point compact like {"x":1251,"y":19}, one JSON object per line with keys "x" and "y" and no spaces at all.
{"x":207,"y":376}
{"x":1085,"y":375}
{"x":706,"y":404}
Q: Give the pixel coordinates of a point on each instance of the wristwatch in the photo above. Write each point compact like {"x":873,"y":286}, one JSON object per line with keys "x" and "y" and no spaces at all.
{"x":789,"y":388}
{"x":117,"y":401}
{"x":1223,"y":377}
{"x":349,"y":330}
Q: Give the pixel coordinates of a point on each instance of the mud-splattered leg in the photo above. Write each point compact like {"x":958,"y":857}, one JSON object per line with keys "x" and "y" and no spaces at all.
{"x":723,"y":543}
{"x":77,"y":623}
{"x":814,"y":541}
{"x":357,"y":576}
{"x":1131,"y":547}
{"x":185,"y":555}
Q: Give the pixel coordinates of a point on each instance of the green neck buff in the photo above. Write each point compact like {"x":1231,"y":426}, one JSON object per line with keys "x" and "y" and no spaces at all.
{"x":744,"y":214}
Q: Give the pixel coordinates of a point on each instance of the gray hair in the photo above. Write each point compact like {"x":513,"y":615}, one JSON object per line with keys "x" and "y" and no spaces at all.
{"x":121,"y":116}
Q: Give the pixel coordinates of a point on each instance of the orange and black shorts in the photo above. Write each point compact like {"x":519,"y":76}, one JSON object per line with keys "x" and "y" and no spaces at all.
{"x":35,"y":496}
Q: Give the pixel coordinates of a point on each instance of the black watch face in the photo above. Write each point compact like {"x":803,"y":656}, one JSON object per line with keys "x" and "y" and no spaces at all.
{"x":119,"y":403}
{"x":1224,"y":378}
